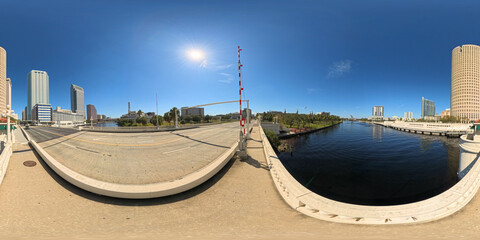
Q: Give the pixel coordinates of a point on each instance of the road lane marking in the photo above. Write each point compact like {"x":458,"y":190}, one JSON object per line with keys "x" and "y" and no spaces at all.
{"x":176,"y":150}
{"x":120,"y":144}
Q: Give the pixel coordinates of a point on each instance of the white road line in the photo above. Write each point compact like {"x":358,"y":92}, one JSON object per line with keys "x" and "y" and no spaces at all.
{"x":176,"y":150}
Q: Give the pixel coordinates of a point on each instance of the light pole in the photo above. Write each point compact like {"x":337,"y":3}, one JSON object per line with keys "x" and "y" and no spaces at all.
{"x":8,"y":125}
{"x":156,"y":102}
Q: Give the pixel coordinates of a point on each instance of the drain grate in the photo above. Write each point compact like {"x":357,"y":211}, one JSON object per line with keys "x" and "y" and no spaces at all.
{"x":29,"y":163}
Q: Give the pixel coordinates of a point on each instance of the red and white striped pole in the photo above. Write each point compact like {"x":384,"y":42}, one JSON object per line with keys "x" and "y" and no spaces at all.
{"x":242,"y":125}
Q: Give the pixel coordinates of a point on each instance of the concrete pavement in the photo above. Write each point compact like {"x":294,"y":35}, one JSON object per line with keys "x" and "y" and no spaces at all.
{"x":136,"y":158}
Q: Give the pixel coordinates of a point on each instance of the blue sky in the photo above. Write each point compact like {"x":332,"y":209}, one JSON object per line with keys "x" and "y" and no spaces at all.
{"x":341,"y":57}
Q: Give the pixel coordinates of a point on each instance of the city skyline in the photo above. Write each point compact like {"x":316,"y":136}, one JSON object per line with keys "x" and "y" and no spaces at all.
{"x":305,"y":64}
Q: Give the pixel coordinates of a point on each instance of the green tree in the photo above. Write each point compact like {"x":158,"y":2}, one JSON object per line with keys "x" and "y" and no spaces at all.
{"x":167,"y":117}
{"x":208,"y":118}
{"x":197,"y":118}
{"x":142,"y":120}
{"x":153,"y":120}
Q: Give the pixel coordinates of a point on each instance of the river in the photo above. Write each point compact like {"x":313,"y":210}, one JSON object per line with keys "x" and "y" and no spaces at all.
{"x":361,"y":163}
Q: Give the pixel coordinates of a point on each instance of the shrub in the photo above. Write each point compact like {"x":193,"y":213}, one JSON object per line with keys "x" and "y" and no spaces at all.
{"x":272,"y":138}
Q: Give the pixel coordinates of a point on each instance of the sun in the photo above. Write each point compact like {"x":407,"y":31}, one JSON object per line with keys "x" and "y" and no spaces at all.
{"x":195,"y":55}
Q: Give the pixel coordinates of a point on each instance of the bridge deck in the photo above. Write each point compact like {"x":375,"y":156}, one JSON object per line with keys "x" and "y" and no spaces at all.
{"x":238,"y":203}
{"x":136,"y":158}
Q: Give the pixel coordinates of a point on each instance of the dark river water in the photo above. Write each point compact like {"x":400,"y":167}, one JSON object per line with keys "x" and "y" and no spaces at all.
{"x":366,"y":164}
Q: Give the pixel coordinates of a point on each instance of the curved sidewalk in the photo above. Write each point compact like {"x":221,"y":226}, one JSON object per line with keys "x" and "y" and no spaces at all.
{"x":81,"y":160}
{"x":314,"y":205}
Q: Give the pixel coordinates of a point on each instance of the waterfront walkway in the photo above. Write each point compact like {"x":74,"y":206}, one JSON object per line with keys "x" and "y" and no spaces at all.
{"x":238,"y":203}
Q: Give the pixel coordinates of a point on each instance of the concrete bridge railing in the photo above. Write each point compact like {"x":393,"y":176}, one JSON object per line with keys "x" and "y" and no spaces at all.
{"x":4,"y":156}
{"x":314,"y":205}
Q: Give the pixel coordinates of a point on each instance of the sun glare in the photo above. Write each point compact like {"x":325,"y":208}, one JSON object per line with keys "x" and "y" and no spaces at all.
{"x":195,"y":55}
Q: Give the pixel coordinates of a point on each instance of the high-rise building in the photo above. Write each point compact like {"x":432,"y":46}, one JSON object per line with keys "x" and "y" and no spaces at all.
{"x":428,"y":108}
{"x":77,"y":100}
{"x":465,"y":88}
{"x":23,"y":115}
{"x":377,"y":112}
{"x":37,"y":90}
{"x":408,"y":116}
{"x":3,"y":79}
{"x":91,"y":112}
{"x":42,"y":112}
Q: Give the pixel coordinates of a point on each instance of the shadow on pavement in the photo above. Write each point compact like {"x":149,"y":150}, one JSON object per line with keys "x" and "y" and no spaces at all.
{"x":45,"y":135}
{"x":137,"y":202}
{"x":211,"y":144}
{"x":255,"y":163}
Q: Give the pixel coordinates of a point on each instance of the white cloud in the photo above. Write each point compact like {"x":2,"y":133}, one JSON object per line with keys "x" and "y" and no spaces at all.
{"x":221,"y":67}
{"x":203,"y":64}
{"x":226,"y":78}
{"x":311,"y":90}
{"x":339,"y":68}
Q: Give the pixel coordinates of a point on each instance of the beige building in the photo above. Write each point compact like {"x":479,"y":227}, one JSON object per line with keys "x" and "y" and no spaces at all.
{"x":3,"y":81}
{"x":445,"y":113}
{"x":465,"y":88}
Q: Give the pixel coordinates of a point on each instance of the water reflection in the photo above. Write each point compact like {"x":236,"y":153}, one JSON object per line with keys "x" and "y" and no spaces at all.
{"x":377,"y":132}
{"x":367,"y":164}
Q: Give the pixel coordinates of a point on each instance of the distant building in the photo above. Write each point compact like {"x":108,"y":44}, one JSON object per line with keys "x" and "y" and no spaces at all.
{"x":428,"y":108}
{"x":408,"y":116}
{"x":77,"y":100}
{"x":42,"y":112}
{"x":101,"y":117}
{"x":23,"y":115}
{"x":67,"y":117}
{"x":37,"y":90}
{"x":377,"y":112}
{"x":445,"y":113}
{"x":91,"y":112}
{"x":465,"y":82}
{"x":186,"y":111}
{"x":274,"y":112}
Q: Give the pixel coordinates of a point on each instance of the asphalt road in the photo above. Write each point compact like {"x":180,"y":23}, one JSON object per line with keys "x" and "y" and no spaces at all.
{"x":136,"y":158}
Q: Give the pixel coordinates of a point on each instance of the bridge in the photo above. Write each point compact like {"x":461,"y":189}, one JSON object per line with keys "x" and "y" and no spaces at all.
{"x":38,"y":203}
{"x":136,"y":165}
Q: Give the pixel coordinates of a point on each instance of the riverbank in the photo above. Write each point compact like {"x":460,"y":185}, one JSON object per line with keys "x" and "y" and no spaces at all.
{"x":300,"y":131}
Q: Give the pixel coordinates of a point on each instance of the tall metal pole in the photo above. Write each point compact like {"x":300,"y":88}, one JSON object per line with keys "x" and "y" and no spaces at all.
{"x":242,"y":129}
{"x":176,"y":118}
{"x":156,"y":102}
{"x":8,"y":124}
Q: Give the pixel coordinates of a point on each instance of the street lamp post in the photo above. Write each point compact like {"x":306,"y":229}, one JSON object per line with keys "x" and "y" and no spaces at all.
{"x":8,"y":125}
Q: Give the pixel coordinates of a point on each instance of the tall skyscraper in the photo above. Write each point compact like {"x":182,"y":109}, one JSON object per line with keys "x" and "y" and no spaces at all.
{"x":77,"y":100}
{"x":91,"y":112}
{"x":37,"y":90}
{"x":428,"y":108}
{"x":3,"y":79}
{"x":465,"y":88}
{"x":377,"y":112}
